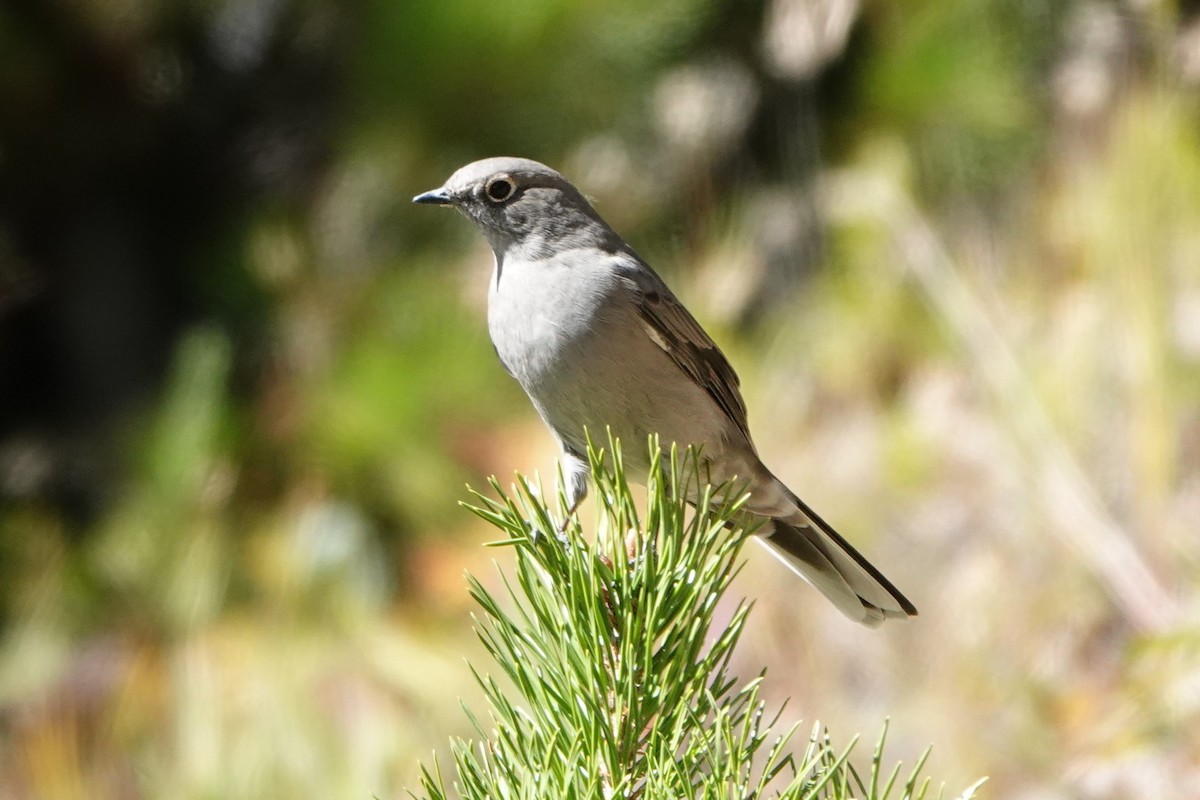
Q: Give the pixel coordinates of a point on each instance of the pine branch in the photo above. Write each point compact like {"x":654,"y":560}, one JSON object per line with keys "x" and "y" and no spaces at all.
{"x":618,"y":683}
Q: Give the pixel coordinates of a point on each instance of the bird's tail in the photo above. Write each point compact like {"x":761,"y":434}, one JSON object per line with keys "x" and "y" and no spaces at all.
{"x":816,"y":552}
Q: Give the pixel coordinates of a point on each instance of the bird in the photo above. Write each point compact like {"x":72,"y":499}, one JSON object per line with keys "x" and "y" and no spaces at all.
{"x":597,"y":340}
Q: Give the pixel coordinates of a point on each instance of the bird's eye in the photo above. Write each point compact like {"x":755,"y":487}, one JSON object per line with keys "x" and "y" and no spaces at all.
{"x":499,"y":189}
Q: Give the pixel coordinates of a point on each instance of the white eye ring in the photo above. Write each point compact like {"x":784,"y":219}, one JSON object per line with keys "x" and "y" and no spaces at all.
{"x":500,"y":188}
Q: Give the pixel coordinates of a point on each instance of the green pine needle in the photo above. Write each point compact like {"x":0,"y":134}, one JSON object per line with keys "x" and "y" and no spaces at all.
{"x":618,"y":683}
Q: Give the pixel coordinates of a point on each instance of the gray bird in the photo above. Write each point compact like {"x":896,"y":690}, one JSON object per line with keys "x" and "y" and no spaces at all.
{"x":596,"y":339}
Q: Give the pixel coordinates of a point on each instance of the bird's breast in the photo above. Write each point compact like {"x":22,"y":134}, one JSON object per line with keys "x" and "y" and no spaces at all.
{"x":542,"y":321}
{"x":578,"y":347}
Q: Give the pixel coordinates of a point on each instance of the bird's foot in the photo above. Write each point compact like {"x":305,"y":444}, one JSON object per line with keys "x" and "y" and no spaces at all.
{"x":536,"y":534}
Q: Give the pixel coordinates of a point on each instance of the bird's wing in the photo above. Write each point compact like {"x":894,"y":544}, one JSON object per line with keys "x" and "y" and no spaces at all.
{"x":676,"y":331}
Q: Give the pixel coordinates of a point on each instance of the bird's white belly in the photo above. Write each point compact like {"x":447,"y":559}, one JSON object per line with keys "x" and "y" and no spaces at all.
{"x":587,"y":363}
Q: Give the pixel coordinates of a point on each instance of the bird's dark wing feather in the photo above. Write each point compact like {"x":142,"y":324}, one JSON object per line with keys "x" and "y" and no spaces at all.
{"x":681,"y":336}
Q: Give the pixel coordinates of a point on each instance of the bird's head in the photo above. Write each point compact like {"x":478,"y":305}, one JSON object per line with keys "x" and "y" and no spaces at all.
{"x":519,"y":203}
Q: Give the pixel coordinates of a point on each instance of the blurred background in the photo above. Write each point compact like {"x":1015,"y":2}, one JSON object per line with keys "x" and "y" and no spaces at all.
{"x":953,"y":250}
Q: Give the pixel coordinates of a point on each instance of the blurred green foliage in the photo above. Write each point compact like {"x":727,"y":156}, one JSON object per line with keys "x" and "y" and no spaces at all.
{"x":950,"y":247}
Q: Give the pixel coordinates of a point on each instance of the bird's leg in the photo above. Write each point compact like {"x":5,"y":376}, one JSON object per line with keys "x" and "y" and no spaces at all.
{"x":575,"y":473}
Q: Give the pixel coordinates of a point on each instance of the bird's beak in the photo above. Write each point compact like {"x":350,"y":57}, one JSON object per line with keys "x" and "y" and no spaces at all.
{"x":437,"y":197}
